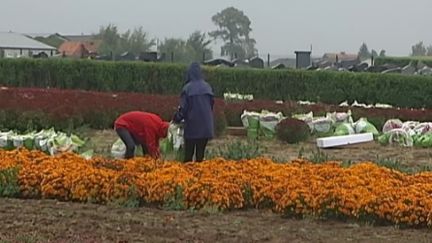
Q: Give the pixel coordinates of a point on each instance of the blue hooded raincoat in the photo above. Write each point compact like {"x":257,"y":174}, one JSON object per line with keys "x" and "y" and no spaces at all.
{"x":196,"y":106}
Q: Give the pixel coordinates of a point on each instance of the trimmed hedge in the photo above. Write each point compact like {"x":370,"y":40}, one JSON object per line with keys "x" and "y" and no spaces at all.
{"x":151,"y":78}
{"x":92,"y":75}
{"x":403,"y":61}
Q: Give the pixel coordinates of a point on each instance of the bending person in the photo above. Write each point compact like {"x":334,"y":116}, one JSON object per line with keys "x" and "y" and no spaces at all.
{"x":141,"y":128}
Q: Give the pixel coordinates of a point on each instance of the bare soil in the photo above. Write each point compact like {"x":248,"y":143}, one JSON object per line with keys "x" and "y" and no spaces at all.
{"x":101,"y":142}
{"x":52,"y":221}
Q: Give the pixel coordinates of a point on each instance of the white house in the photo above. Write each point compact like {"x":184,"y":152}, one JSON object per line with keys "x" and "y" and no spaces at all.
{"x":14,"y":45}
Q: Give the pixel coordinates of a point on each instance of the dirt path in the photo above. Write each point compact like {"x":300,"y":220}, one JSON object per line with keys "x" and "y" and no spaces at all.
{"x":51,"y":221}
{"x":101,"y":141}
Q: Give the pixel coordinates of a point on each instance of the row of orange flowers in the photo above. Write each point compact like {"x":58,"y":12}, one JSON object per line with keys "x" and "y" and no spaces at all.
{"x":364,"y":190}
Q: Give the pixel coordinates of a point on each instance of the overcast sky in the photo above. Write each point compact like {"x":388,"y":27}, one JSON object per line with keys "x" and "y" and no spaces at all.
{"x":279,"y":26}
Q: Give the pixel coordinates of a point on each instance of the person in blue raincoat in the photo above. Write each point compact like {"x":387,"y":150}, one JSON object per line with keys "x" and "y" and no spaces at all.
{"x":196,"y":111}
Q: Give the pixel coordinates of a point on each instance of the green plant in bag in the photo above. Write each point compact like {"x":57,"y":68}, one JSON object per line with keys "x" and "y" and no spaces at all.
{"x":166,"y":146}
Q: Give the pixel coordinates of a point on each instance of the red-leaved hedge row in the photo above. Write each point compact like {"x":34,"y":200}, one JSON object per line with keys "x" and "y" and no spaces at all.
{"x":30,"y":108}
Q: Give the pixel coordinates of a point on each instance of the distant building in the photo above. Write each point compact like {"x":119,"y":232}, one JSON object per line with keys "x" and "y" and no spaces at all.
{"x":286,"y":62}
{"x":256,"y":62}
{"x":54,"y":40}
{"x":14,"y":45}
{"x":303,"y":59}
{"x":338,"y":57}
{"x":79,"y":49}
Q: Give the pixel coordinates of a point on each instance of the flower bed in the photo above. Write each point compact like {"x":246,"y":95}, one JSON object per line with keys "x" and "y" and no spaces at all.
{"x":93,"y":108}
{"x":363,"y":191}
{"x":30,"y":108}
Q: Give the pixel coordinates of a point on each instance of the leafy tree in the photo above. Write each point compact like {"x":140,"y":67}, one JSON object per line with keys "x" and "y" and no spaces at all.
{"x":188,"y":50}
{"x":418,"y":49}
{"x":176,"y":47}
{"x":198,"y":46}
{"x":364,"y":52}
{"x":234,"y":29}
{"x":429,"y":50}
{"x":382,"y":53}
{"x":111,"y":41}
{"x":135,"y":41}
{"x":374,"y":53}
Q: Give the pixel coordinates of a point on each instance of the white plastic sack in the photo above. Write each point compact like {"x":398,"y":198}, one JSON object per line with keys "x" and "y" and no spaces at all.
{"x":305,"y":102}
{"x":322,"y":125}
{"x":270,"y":120}
{"x":423,"y":128}
{"x":177,"y":138}
{"x":246,"y":115}
{"x":344,"y":129}
{"x":235,"y":96}
{"x":363,"y":126}
{"x":400,"y":137}
{"x":18,"y":141}
{"x":61,"y":144}
{"x":392,"y":124}
{"x":340,"y":117}
{"x":3,"y":141}
{"x":356,"y":104}
{"x":118,"y":149}
{"x":42,"y":145}
{"x":345,"y":103}
{"x":409,"y":127}
{"x":383,"y":106}
{"x":87,"y":154}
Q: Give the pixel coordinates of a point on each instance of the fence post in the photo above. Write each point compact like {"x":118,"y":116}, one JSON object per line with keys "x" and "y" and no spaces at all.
{"x":268,"y":60}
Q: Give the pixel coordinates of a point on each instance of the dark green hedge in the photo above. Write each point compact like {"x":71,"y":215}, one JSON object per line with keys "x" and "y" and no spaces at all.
{"x":92,"y":75}
{"x":403,"y":61}
{"x":327,"y":87}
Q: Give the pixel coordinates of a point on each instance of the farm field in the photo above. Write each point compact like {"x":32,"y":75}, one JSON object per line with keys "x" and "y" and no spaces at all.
{"x":53,"y":221}
{"x":323,"y":195}
{"x":288,"y":138}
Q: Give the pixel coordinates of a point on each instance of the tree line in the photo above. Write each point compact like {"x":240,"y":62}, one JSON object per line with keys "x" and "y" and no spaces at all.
{"x":233,"y":28}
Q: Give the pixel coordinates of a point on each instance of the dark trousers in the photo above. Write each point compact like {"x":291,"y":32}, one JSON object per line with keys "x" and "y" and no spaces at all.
{"x":130,"y":141}
{"x":195,"y":146}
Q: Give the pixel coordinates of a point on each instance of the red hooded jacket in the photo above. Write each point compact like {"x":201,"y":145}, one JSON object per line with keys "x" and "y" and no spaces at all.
{"x":147,"y":127}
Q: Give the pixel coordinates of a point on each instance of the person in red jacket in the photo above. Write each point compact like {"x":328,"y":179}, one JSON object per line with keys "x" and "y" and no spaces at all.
{"x":141,"y":128}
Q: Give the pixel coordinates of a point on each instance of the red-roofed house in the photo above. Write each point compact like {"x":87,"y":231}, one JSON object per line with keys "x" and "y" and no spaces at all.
{"x":79,"y":49}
